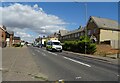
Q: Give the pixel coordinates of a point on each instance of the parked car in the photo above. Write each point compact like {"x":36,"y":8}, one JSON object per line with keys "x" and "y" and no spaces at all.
{"x":54,"y":45}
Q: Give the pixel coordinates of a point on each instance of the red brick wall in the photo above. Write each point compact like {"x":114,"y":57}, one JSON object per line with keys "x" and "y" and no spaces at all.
{"x":2,"y":37}
{"x":11,"y":39}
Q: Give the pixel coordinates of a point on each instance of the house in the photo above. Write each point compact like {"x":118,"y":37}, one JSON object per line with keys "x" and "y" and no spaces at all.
{"x":9,"y":38}
{"x":16,"y":40}
{"x":61,"y":33}
{"x":2,"y":36}
{"x":103,"y":30}
{"x":71,"y":35}
{"x":53,"y":36}
{"x":100,"y":30}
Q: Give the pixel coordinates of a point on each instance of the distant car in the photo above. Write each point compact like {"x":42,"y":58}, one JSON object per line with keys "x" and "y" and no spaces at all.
{"x":39,"y":45}
{"x":28,"y":44}
{"x":54,"y":45}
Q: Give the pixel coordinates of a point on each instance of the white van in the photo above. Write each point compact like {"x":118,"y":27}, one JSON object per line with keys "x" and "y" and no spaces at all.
{"x":54,"y":45}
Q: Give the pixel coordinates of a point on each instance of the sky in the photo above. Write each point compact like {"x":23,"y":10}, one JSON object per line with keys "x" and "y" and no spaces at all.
{"x":30,"y":20}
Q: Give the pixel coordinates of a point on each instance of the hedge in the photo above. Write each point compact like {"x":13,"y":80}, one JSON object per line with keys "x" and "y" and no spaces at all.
{"x":79,"y":45}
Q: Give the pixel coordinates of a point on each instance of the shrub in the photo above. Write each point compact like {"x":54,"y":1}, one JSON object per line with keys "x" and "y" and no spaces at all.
{"x":79,"y":45}
{"x":17,"y":45}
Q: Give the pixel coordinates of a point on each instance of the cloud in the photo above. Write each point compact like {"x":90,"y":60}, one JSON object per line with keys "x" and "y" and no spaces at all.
{"x":27,"y":17}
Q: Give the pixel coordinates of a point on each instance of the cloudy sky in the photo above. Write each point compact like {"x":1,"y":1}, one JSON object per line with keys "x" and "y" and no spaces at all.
{"x":31,"y":20}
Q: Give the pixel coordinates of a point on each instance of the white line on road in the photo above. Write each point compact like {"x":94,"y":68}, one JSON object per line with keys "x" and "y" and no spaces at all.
{"x":52,"y":53}
{"x":61,"y":80}
{"x":78,"y":77}
{"x":38,"y":51}
{"x":77,"y":61}
{"x":44,"y":50}
{"x":33,"y":53}
{"x":43,"y":54}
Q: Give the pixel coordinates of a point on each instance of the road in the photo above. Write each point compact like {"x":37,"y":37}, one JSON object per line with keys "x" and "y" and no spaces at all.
{"x":63,"y":66}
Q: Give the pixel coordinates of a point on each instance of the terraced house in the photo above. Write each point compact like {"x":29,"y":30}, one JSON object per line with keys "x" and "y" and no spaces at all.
{"x":7,"y":37}
{"x":72,"y":35}
{"x":2,"y":36}
{"x":100,"y":30}
{"x":103,"y":30}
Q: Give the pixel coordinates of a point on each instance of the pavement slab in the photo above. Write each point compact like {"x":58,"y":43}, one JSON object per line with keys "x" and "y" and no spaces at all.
{"x":19,"y":65}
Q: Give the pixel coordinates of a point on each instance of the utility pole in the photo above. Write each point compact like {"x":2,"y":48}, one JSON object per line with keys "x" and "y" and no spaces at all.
{"x":85,"y":26}
{"x":85,"y":4}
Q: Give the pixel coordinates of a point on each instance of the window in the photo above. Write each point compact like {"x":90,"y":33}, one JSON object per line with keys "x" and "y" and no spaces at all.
{"x":78,"y":34}
{"x":55,"y":43}
{"x":69,"y":36}
{"x":81,"y":33}
{"x":75,"y":34}
{"x":89,"y":32}
{"x":95,"y":30}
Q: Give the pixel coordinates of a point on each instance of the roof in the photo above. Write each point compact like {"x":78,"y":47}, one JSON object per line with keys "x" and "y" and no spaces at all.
{"x":16,"y":38}
{"x":3,"y":27}
{"x":10,"y":32}
{"x":75,"y":31}
{"x":62,"y":32}
{"x":53,"y":41}
{"x":53,"y":35}
{"x":105,"y":23}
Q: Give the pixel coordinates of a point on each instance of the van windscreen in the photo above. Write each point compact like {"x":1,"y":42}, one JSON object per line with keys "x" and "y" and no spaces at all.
{"x":56,"y":43}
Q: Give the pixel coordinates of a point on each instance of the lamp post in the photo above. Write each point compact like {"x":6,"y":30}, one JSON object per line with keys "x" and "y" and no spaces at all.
{"x":85,"y":4}
{"x":85,"y":26}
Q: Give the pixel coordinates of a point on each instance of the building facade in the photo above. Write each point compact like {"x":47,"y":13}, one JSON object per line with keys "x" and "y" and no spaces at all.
{"x":100,"y":30}
{"x":71,"y":35}
{"x":16,"y":40}
{"x":2,"y":36}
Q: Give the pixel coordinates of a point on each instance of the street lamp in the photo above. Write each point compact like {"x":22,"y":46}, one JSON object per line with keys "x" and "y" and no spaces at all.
{"x":85,"y":4}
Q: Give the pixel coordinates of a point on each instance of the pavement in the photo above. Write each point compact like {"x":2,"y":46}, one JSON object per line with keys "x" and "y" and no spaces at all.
{"x":73,"y":67}
{"x":19,"y":65}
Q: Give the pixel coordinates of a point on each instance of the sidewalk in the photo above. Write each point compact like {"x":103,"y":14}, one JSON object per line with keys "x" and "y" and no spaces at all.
{"x":19,"y":65}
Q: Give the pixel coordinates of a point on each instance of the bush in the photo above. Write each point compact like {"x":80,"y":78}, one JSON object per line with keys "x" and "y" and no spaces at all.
{"x":79,"y":45}
{"x":17,"y":45}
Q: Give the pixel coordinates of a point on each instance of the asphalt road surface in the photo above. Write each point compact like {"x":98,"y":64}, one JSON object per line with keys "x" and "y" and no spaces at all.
{"x":63,"y":66}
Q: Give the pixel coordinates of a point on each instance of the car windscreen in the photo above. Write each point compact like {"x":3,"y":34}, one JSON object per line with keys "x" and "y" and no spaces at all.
{"x":55,"y":43}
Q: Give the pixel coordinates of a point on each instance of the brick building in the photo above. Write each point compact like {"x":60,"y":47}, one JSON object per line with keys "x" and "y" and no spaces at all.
{"x":3,"y":33}
{"x":9,"y":39}
{"x":16,"y":40}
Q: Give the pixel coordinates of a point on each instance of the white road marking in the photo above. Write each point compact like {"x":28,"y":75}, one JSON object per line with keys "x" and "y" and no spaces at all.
{"x":44,"y":50}
{"x":33,"y":53}
{"x":38,"y":51}
{"x":78,"y":77}
{"x":43,"y":54}
{"x":77,"y":61}
{"x":118,"y":75}
{"x":61,"y":80}
{"x":52,"y":53}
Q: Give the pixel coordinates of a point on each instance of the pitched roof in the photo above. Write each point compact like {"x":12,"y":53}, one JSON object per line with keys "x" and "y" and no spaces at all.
{"x":3,"y":27}
{"x":10,"y":32}
{"x":62,"y":32}
{"x":75,"y":31}
{"x":105,"y":23}
{"x":53,"y":35}
{"x":16,"y":38}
